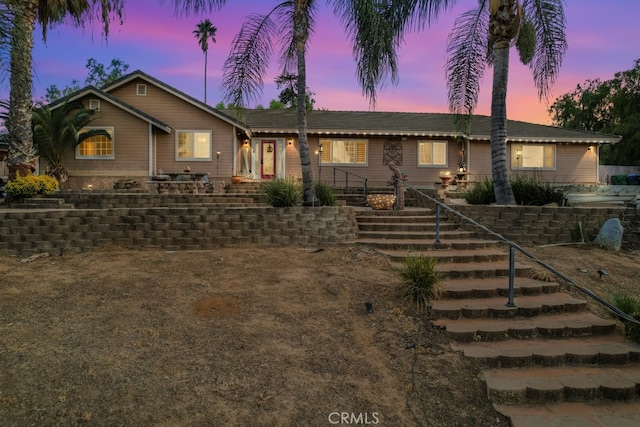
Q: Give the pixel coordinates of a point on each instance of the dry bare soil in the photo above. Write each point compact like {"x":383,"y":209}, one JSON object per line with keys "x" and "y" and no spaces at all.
{"x":239,"y":336}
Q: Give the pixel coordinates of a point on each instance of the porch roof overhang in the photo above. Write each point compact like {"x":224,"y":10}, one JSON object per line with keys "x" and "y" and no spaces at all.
{"x":420,"y":125}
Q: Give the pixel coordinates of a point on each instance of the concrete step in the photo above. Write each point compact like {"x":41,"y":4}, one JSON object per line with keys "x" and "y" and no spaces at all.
{"x":595,"y":350}
{"x":543,"y":326}
{"x":483,"y":269}
{"x":395,"y":247}
{"x":496,"y":286}
{"x":562,"y":384}
{"x":402,"y":230}
{"x":603,"y":413}
{"x":495,"y":307}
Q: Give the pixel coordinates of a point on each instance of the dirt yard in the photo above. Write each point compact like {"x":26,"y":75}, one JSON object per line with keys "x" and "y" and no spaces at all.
{"x":238,"y":336}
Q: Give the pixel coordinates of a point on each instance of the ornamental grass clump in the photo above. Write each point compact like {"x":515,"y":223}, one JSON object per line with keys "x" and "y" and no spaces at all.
{"x":422,"y":282}
{"x":283,"y":192}
{"x":630,"y":304}
{"x":31,"y":185}
{"x":324,"y":193}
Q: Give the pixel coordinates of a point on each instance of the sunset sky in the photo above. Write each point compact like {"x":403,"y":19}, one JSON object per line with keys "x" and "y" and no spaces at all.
{"x":602,"y":35}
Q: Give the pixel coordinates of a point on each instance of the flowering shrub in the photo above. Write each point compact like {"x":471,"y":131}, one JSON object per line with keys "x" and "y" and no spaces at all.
{"x":31,"y":185}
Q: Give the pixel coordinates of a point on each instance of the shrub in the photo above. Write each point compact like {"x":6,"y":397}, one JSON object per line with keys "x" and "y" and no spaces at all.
{"x":422,"y":282}
{"x":527,"y":190}
{"x":325,"y":194}
{"x":630,"y":304}
{"x":535,"y":191}
{"x":481,"y":193}
{"x":30,"y":185}
{"x":282,"y":192}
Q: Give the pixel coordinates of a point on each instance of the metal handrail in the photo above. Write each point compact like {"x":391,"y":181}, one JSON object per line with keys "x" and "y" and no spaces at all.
{"x":514,"y":246}
{"x":346,"y":181}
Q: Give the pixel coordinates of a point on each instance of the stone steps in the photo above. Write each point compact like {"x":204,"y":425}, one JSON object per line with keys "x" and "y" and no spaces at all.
{"x":563,"y":325}
{"x":491,"y":287}
{"x":594,"y":350}
{"x":546,"y":361}
{"x":563,"y":384}
{"x":598,"y":413}
{"x":495,"y":307}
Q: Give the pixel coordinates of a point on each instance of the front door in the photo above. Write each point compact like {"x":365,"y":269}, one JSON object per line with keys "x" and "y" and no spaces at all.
{"x":268,"y":159}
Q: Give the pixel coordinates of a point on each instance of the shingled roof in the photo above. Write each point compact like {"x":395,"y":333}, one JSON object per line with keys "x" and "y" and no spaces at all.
{"x":359,"y":123}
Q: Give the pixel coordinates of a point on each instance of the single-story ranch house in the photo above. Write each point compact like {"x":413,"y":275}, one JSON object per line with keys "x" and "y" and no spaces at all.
{"x":156,"y":129}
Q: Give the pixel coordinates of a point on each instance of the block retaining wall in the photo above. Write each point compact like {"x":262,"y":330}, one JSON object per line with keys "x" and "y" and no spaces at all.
{"x":25,"y":232}
{"x":542,"y":225}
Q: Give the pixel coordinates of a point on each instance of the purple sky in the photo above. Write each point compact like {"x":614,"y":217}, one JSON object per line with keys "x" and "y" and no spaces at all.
{"x":603,"y":39}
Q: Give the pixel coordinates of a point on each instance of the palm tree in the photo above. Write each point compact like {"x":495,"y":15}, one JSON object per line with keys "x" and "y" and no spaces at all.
{"x":57,"y":129}
{"x":481,"y":37}
{"x":26,"y":13}
{"x":203,"y":32}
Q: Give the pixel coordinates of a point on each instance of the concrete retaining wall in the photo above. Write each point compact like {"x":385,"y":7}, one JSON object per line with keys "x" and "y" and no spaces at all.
{"x":27,"y":232}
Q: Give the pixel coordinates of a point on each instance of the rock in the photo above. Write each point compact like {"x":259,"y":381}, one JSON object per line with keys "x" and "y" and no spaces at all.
{"x":610,"y":235}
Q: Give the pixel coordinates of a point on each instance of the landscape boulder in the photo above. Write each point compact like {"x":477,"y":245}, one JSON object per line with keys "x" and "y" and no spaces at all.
{"x":610,"y":235}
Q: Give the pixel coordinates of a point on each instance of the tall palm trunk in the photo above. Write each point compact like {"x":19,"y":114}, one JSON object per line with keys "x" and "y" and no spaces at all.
{"x":205,"y":76}
{"x":499,"y":170}
{"x":22,"y":154}
{"x":301,"y":28}
{"x":504,"y":23}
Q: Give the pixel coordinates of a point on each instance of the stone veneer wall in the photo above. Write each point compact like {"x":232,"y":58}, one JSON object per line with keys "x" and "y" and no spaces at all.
{"x":28,"y":232}
{"x":541,"y":225}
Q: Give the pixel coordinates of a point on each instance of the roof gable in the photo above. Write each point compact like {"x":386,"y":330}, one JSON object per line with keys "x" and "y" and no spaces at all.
{"x":177,"y":93}
{"x":91,"y":90}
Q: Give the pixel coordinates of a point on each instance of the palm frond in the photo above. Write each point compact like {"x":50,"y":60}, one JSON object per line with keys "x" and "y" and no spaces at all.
{"x":549,"y":21}
{"x":246,"y":66}
{"x":467,"y":59}
{"x":285,"y":12}
{"x":376,"y":30}
{"x":197,"y":7}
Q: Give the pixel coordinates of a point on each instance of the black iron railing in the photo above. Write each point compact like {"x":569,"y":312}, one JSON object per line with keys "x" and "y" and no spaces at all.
{"x":515,"y":247}
{"x":348,"y":174}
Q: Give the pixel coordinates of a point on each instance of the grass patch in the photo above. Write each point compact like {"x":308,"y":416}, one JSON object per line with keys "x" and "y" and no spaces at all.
{"x":422,"y":282}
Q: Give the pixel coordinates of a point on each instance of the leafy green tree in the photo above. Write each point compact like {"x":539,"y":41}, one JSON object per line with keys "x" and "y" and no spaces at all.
{"x":288,"y":82}
{"x":55,"y":130}
{"x":26,"y":14}
{"x":204,"y":32}
{"x":481,"y":37}
{"x":611,"y":106}
{"x":98,"y":75}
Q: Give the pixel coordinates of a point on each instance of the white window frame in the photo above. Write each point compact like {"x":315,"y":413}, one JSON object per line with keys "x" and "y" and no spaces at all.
{"x":179,"y":158}
{"x":330,"y":153}
{"x":94,"y":104}
{"x":423,"y":145}
{"x":141,"y":89}
{"x":527,"y":156}
{"x":111,"y":131}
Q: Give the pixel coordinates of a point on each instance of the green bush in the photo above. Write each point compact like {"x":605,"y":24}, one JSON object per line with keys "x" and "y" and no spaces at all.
{"x":527,"y":190}
{"x":480,"y":193}
{"x":282,"y":192}
{"x":31,"y":185}
{"x":325,"y":194}
{"x":535,"y":191}
{"x":422,"y":282}
{"x":630,"y":304}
